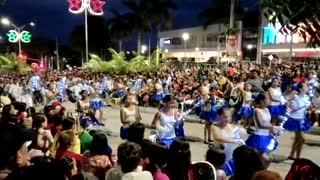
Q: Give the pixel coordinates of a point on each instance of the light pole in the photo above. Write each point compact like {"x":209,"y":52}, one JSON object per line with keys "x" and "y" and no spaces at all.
{"x":185,"y":37}
{"x":94,"y":7}
{"x":19,"y":29}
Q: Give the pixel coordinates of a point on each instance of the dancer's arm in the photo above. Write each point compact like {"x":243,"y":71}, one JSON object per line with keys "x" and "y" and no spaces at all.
{"x":156,"y":121}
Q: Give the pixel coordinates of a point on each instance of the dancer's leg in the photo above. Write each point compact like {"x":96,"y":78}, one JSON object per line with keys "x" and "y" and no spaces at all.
{"x":300,"y":144}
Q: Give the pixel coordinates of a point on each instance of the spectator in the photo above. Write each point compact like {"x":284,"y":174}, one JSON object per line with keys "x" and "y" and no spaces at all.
{"x":97,"y":159}
{"x":84,"y":136}
{"x":246,"y":155}
{"x":66,"y":142}
{"x":136,"y":133}
{"x":179,"y":160}
{"x":217,"y":157}
{"x":266,"y":175}
{"x":14,"y":151}
{"x":129,"y":157}
{"x":158,"y":161}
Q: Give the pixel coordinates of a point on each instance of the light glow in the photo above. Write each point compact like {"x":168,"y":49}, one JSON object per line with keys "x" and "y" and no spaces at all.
{"x":95,"y":7}
{"x":13,"y":36}
{"x":197,"y":49}
{"x":185,"y":36}
{"x":5,"y":21}
{"x":25,"y":37}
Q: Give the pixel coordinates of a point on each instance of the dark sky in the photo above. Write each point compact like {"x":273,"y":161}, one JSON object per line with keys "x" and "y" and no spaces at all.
{"x":53,"y":18}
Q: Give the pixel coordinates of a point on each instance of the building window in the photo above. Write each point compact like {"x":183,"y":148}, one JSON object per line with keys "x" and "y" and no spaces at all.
{"x":211,"y":37}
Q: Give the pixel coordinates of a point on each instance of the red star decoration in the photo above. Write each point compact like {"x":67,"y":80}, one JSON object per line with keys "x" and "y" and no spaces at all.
{"x":74,"y":4}
{"x":97,"y":5}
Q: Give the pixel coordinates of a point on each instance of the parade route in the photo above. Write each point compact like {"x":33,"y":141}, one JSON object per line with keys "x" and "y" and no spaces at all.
{"x":198,"y":148}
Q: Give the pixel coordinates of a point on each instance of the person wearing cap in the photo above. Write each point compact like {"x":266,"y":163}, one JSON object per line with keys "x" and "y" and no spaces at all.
{"x":14,"y":148}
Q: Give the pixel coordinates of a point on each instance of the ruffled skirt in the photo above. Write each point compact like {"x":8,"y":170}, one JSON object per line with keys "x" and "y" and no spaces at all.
{"x":246,"y":112}
{"x":297,"y":125}
{"x":276,"y":110}
{"x":262,"y":143}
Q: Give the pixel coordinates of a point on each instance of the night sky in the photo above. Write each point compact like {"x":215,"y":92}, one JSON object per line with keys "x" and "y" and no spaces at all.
{"x":54,"y":20}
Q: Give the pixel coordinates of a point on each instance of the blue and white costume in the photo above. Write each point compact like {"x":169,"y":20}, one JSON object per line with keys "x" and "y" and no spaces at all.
{"x":246,"y":111}
{"x":276,"y":108}
{"x":137,"y":85}
{"x":313,"y":84}
{"x":34,"y":83}
{"x":262,"y":140}
{"x":104,"y":87}
{"x":297,"y":120}
{"x":96,"y":103}
{"x":62,"y":87}
{"x":167,"y":132}
{"x":209,"y":110}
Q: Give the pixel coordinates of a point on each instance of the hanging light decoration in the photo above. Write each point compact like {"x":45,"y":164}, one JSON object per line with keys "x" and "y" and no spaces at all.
{"x":95,"y":7}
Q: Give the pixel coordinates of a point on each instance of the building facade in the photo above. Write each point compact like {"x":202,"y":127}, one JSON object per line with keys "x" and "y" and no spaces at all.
{"x":200,"y":45}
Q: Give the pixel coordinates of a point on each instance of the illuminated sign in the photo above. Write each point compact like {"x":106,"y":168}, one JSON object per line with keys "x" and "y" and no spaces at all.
{"x":14,"y":36}
{"x":272,"y":35}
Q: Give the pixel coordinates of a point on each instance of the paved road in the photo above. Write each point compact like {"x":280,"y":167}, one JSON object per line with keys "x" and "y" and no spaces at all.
{"x":198,"y":149}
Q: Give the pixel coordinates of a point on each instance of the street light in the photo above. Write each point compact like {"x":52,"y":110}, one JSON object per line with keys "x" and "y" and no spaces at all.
{"x":19,"y":30}
{"x":197,"y":49}
{"x":143,"y":49}
{"x":94,"y":7}
{"x":185,"y":37}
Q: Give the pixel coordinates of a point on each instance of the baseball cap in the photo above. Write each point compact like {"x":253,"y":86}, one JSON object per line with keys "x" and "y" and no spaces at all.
{"x":12,"y":138}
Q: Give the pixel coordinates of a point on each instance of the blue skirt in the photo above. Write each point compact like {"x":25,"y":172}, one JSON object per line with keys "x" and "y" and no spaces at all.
{"x":209,"y":116}
{"x":166,"y":141}
{"x":119,"y":94}
{"x":179,"y":131}
{"x":262,"y":143}
{"x":297,"y":125}
{"x":95,"y":105}
{"x":277,"y":110}
{"x":246,"y":112}
{"x":229,"y":168}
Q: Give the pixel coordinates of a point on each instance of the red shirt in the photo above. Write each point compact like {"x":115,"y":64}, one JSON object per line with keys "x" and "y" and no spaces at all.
{"x":61,"y":153}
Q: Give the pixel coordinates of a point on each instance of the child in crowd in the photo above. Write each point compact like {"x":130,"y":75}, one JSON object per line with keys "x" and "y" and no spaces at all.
{"x":216,"y":156}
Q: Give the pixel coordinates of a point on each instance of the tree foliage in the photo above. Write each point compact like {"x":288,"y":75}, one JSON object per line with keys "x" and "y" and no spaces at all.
{"x":12,"y":63}
{"x":120,"y":65}
{"x":296,"y":16}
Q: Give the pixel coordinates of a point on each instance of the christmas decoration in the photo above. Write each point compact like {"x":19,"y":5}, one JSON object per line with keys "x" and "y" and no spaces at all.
{"x":95,"y":7}
{"x":13,"y":36}
{"x":25,"y":37}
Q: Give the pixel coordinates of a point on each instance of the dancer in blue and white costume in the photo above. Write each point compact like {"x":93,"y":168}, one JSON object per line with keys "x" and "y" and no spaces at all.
{"x":276,"y":108}
{"x":262,"y":139}
{"x":137,"y":84}
{"x":297,"y":121}
{"x":104,"y":88}
{"x":35,"y":87}
{"x":166,"y":120}
{"x":62,"y":89}
{"x":246,"y":110}
{"x":229,"y":135}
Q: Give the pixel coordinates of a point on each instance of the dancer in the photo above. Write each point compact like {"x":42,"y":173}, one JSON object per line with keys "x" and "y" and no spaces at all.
{"x":35,"y":87}
{"x":262,"y":139}
{"x":275,"y":107}
{"x":208,"y":114}
{"x":297,"y":121}
{"x":246,"y":111}
{"x":166,"y":120}
{"x":129,"y":114}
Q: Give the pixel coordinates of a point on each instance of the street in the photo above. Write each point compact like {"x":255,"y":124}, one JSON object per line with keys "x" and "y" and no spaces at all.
{"x":195,"y":131}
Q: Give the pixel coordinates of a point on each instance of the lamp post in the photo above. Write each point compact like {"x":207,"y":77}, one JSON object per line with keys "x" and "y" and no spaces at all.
{"x":18,"y":29}
{"x":94,"y":7}
{"x":185,"y":37}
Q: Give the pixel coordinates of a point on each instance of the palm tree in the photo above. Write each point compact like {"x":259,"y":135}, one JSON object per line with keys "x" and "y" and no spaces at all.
{"x":160,"y":12}
{"x":139,"y":18}
{"x":12,"y":63}
{"x":300,"y":17}
{"x":119,"y":27}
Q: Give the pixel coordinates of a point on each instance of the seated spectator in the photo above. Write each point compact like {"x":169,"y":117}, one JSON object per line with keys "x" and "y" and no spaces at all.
{"x":158,"y":161}
{"x":136,"y":133}
{"x":217,"y":157}
{"x":43,"y":140}
{"x":14,"y":151}
{"x":266,"y":175}
{"x":253,"y":163}
{"x":66,"y":142}
{"x":303,"y":169}
{"x":28,"y":120}
{"x":97,"y":160}
{"x":179,"y":160}
{"x":84,"y":136}
{"x":129,"y":157}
